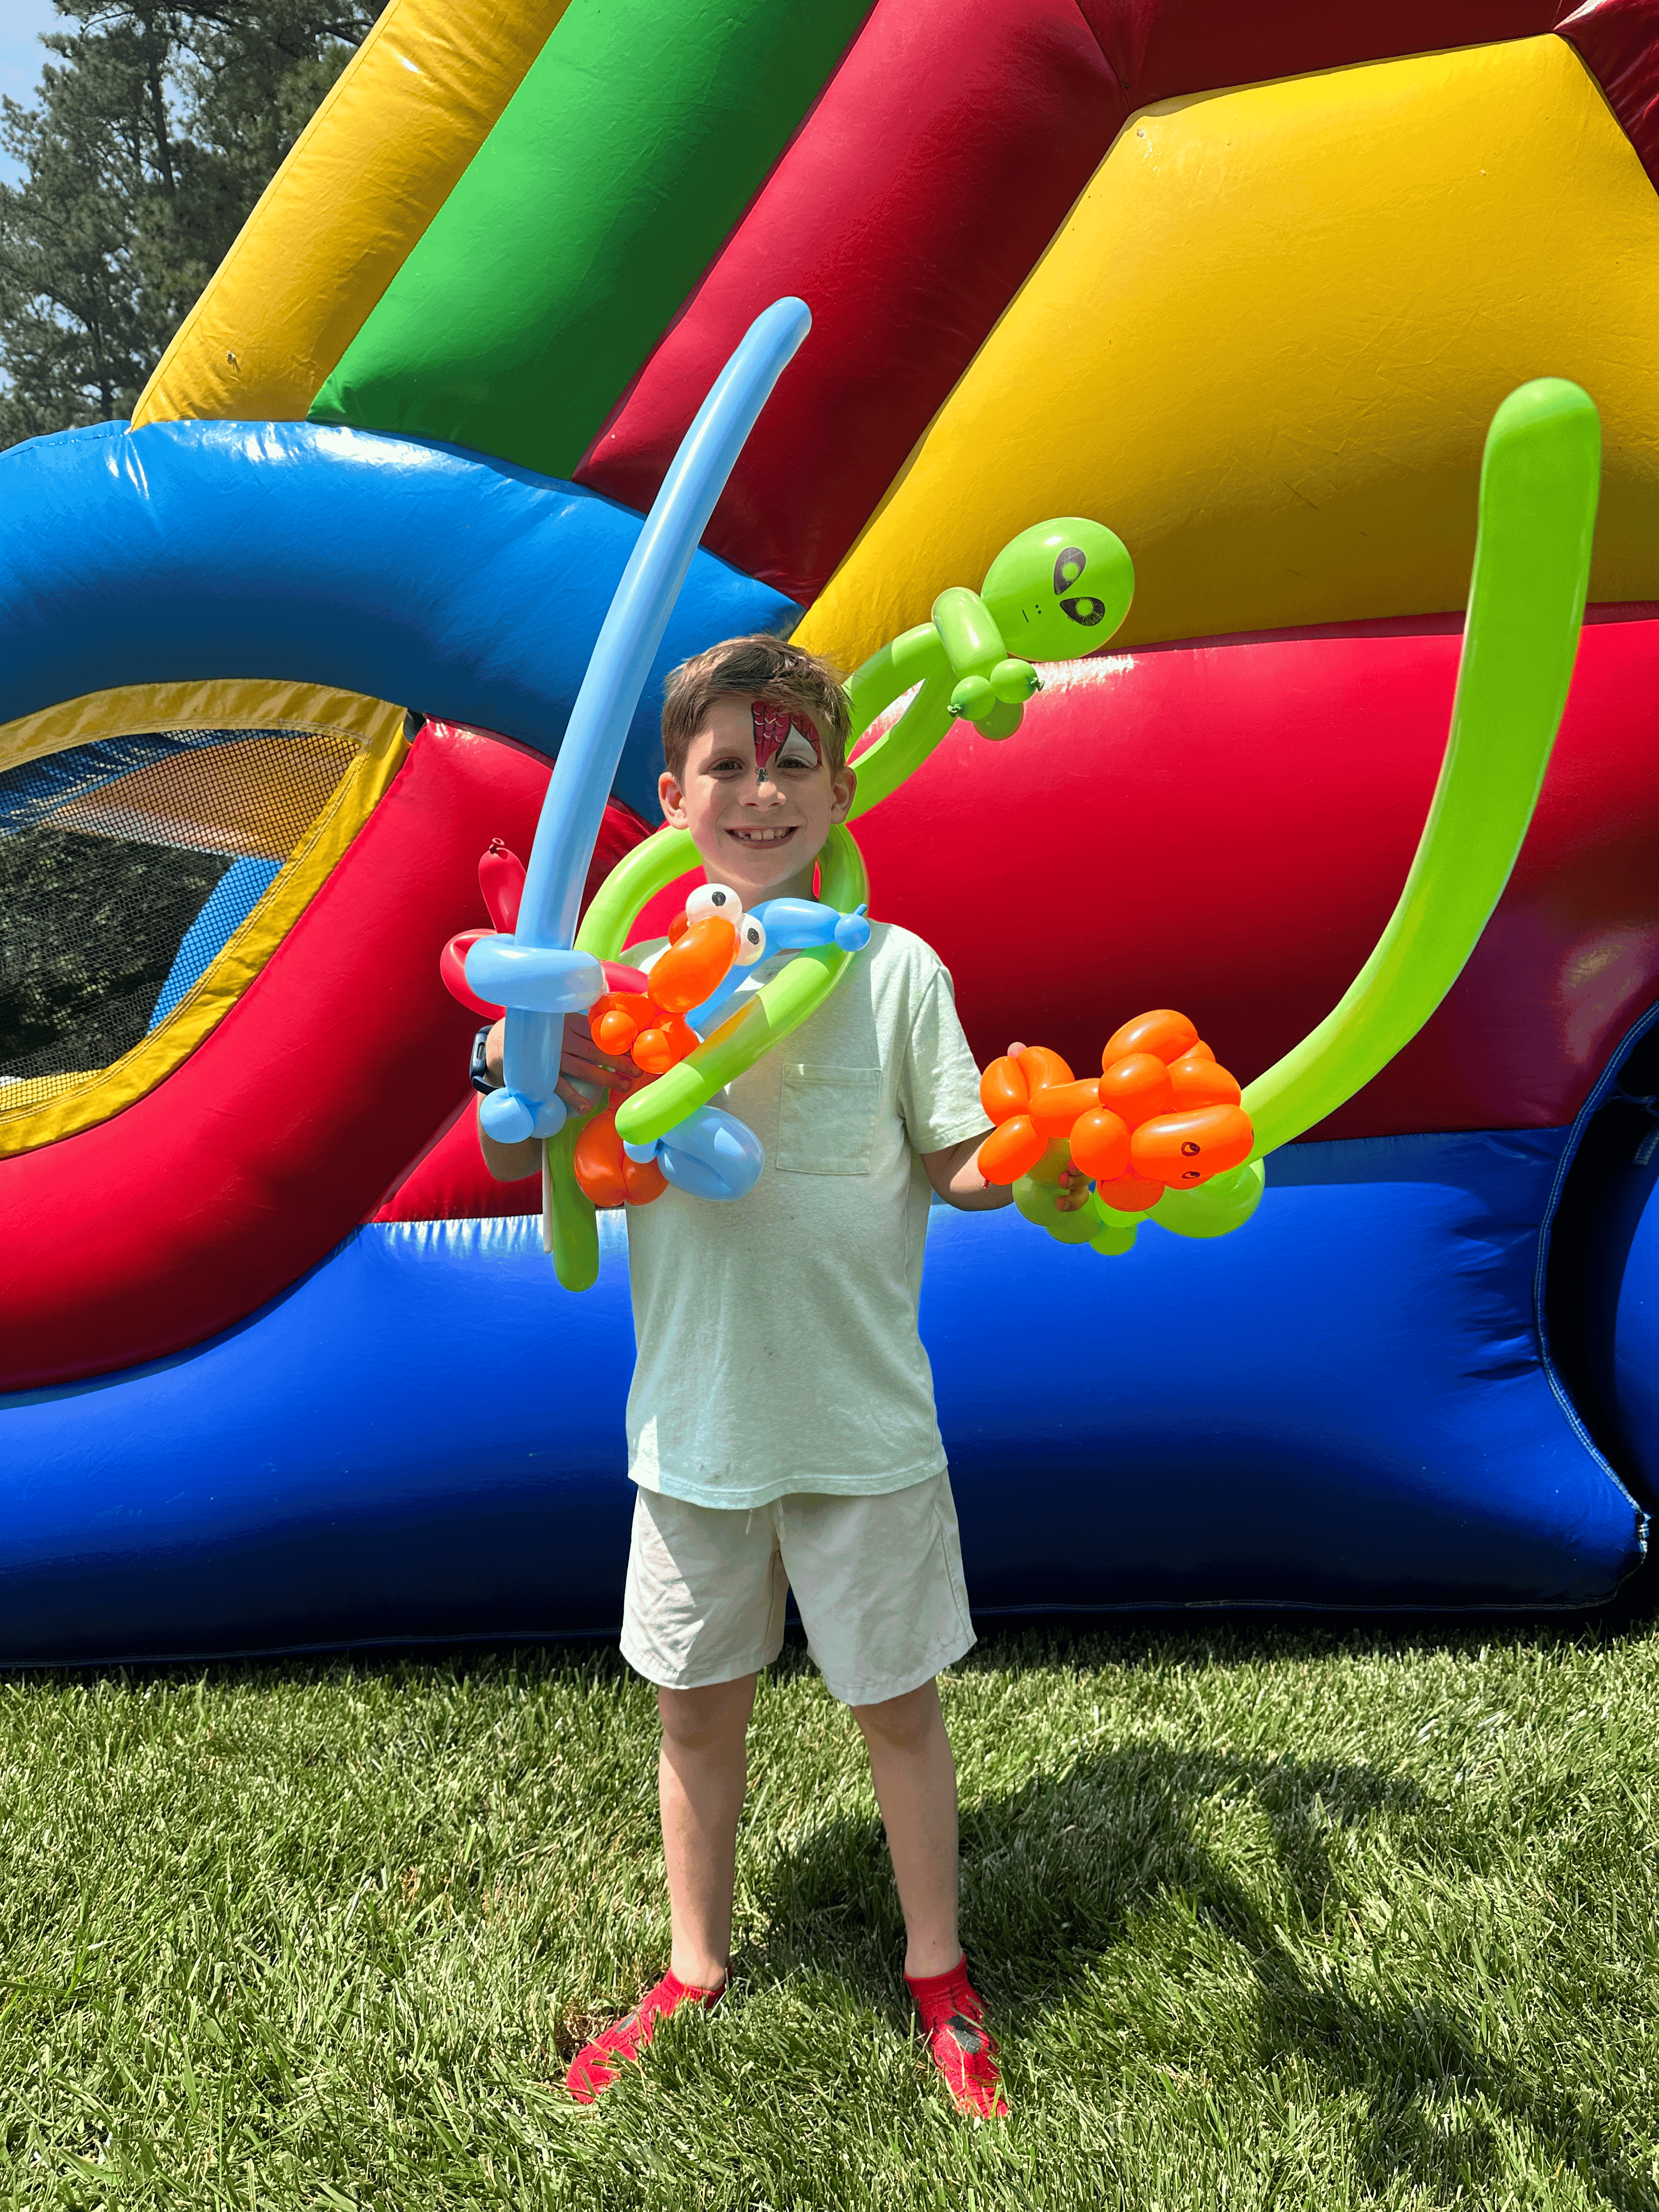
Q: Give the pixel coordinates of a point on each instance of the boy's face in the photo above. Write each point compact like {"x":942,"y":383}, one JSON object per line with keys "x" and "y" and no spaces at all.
{"x":757,"y":798}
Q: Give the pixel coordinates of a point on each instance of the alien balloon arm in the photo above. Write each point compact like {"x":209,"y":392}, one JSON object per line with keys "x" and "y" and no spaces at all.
{"x":1057,"y":590}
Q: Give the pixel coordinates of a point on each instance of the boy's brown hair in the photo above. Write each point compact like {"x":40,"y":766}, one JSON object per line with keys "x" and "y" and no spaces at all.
{"x":757,"y":667}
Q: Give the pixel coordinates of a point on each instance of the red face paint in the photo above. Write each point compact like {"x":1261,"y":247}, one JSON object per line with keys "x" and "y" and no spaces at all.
{"x":773,"y":724}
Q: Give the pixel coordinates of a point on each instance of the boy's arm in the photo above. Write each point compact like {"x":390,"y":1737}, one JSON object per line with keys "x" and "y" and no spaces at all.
{"x":581,"y":1063}
{"x":954,"y":1173}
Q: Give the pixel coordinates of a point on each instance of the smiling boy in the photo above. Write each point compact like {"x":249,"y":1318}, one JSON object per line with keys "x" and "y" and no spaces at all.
{"x":781,"y":1425}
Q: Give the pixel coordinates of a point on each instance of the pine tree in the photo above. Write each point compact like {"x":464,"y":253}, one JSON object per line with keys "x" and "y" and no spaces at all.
{"x":154,"y":131}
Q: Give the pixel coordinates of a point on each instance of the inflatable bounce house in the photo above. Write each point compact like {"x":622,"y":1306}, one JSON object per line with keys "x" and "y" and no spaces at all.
{"x":1251,"y":291}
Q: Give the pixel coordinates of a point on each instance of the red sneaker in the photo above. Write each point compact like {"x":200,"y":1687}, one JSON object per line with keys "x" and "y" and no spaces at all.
{"x":959,"y":2043}
{"x":592,"y":2068}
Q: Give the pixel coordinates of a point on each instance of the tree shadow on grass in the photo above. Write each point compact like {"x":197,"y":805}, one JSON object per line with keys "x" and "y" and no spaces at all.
{"x":1057,"y":1872}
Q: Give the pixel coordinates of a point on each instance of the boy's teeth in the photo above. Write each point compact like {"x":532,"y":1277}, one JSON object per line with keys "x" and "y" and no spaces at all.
{"x":762,"y":837}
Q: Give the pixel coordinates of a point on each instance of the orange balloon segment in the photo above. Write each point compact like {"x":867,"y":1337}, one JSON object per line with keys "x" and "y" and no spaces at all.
{"x":606,"y":1175}
{"x":1100,"y":1143}
{"x":1136,"y":1086}
{"x":1003,"y":1090}
{"x":1042,"y":1068}
{"x":1011,"y":1150}
{"x":1164,"y":1033}
{"x":642,"y":1181}
{"x":659,"y":1048}
{"x":1055,"y":1106}
{"x":1129,"y":1195}
{"x":688,"y":973}
{"x":1183,"y":1149}
{"x":615,"y":1020}
{"x":598,"y":1160}
{"x":1195,"y":1082}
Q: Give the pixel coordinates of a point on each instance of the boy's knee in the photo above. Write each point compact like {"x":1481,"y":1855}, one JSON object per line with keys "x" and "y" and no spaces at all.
{"x":697,"y":1720}
{"x":903,"y":1723}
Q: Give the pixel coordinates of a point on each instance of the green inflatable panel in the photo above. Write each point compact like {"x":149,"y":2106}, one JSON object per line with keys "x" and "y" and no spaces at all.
{"x":642,"y":132}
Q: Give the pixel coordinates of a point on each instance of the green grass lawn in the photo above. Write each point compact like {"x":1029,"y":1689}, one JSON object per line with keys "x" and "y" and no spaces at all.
{"x":1268,"y":1915}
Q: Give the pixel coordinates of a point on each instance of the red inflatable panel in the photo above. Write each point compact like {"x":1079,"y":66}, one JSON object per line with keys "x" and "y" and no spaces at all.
{"x":1161,"y":48}
{"x":1619,"y":43}
{"x":450,"y":1181}
{"x":1226,"y":828}
{"x":222,"y":1186}
{"x":940,"y":161}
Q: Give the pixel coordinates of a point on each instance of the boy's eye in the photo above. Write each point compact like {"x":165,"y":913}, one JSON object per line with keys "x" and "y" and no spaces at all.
{"x":796,"y":752}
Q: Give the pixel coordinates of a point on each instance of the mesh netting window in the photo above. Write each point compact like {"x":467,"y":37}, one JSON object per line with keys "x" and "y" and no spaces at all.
{"x":125,"y":865}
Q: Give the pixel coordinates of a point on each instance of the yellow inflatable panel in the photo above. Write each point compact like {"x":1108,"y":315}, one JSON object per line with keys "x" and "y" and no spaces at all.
{"x":1266,"y":344}
{"x":369,"y":172}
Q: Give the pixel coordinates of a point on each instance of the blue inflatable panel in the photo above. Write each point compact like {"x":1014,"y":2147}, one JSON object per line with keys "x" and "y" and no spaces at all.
{"x":1611,"y":1285}
{"x":1628,"y":1240}
{"x":461,"y":586}
{"x":1343,"y":1405}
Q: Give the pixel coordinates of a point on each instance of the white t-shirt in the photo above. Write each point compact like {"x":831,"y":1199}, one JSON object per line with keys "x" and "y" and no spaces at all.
{"x":777,"y":1338}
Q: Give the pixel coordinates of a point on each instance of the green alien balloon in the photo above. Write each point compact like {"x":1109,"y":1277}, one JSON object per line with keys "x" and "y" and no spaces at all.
{"x":1060,"y":589}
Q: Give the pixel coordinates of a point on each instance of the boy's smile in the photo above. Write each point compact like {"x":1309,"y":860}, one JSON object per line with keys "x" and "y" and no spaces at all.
{"x":757,"y":798}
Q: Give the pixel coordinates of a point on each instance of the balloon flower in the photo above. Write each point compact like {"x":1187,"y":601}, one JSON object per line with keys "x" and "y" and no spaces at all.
{"x":1161,"y":1116}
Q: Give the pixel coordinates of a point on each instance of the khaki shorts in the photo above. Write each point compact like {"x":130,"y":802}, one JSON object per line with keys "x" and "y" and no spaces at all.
{"x":878,"y":1580}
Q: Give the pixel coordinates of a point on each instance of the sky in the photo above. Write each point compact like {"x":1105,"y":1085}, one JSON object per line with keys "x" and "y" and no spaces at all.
{"x":21,"y":22}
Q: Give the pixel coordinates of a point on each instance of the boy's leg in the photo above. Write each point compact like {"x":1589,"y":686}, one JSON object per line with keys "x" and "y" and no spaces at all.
{"x":879,"y":1581}
{"x":915,"y":1780}
{"x":705,"y":1599}
{"x":702,"y":1772}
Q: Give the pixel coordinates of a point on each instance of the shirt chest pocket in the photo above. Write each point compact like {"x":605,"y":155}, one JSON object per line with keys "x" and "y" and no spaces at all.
{"x":827,"y":1120}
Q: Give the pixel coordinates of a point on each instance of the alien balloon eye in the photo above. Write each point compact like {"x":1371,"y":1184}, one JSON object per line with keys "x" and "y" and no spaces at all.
{"x":709,"y":900}
{"x":751,"y":941}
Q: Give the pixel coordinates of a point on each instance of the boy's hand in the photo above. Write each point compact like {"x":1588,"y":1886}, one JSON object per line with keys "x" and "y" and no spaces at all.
{"x":1073,"y":1190}
{"x":586,"y":1073}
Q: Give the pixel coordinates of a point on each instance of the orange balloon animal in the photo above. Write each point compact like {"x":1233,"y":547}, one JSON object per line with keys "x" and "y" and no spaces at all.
{"x":650,"y":1026}
{"x":1161,"y":1115}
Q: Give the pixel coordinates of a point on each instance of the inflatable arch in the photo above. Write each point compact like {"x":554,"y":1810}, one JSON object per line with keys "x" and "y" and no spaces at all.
{"x":281,"y":658}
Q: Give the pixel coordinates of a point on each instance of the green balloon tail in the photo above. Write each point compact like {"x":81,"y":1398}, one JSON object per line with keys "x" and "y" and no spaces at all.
{"x":568,"y":1214}
{"x":1539,"y":486}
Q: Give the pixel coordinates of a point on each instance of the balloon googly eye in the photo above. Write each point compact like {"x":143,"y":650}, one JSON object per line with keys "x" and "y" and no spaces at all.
{"x":713,"y":900}
{"x":751,"y":941}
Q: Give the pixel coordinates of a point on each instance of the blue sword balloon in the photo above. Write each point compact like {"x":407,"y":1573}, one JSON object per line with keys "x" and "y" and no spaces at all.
{"x":536,"y":973}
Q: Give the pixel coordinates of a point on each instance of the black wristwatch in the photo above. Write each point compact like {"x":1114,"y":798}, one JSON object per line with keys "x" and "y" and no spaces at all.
{"x":478,"y":1069}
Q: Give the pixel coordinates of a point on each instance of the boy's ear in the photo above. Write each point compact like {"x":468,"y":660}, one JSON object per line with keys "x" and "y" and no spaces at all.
{"x":842,"y":784}
{"x":672,"y":800}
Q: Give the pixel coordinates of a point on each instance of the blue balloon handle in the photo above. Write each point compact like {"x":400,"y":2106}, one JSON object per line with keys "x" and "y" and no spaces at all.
{"x":536,"y":973}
